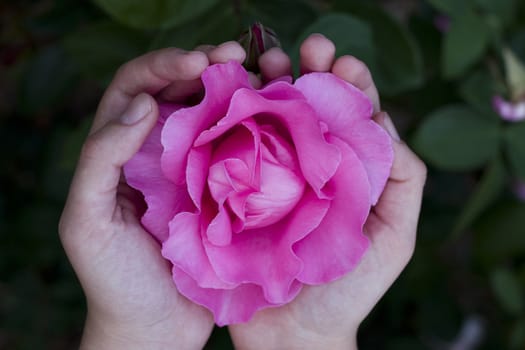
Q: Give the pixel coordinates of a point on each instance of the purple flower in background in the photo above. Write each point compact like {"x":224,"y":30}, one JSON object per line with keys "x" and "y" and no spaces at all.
{"x":519,"y":189}
{"x":442,"y":23}
{"x":509,"y":111}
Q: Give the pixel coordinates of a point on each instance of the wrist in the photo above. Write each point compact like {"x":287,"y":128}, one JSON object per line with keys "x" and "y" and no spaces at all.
{"x":280,"y":338}
{"x":100,"y":334}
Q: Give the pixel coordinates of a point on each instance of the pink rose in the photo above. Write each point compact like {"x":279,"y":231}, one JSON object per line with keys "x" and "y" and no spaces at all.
{"x":255,"y":193}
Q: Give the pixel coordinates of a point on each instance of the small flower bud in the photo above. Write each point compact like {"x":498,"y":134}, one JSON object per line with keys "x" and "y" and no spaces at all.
{"x":257,"y":40}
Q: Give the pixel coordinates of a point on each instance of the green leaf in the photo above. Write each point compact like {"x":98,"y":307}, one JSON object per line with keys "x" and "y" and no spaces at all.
{"x":517,"y":335}
{"x":507,"y":290}
{"x":429,"y":43}
{"x":478,"y":89}
{"x":464,"y":44}
{"x":517,"y":43}
{"x":489,"y":188}
{"x":457,"y":138}
{"x":503,"y":10}
{"x":450,"y":7}
{"x":154,"y":14}
{"x":398,"y":62}
{"x":349,"y":34}
{"x":213,"y":28}
{"x":101,"y":47}
{"x":515,"y":147}
{"x":500,"y":234}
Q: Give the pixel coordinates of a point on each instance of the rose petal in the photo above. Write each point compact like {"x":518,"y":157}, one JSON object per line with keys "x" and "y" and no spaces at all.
{"x":280,"y":191}
{"x":226,"y":177}
{"x":197,"y":171}
{"x":163,"y":198}
{"x":299,"y":119}
{"x":338,"y":243}
{"x":279,"y":148}
{"x":338,"y":103}
{"x":347,"y":112}
{"x":185,"y":250}
{"x":373,"y":146}
{"x":182,"y":127}
{"x":219,"y":231}
{"x":264,"y":256}
{"x":240,"y":144}
{"x":229,"y":306}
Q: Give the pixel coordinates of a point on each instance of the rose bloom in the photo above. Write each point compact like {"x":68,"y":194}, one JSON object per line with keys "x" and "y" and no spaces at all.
{"x":253,"y":194}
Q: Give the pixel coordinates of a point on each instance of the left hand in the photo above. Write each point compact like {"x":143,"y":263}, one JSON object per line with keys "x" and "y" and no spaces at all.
{"x":132,"y":300}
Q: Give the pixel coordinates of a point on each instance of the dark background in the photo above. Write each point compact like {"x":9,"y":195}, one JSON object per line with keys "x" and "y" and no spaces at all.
{"x":437,"y":63}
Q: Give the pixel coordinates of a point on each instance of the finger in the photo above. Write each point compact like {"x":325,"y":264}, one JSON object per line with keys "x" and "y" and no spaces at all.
{"x":180,"y":91}
{"x":228,"y":51}
{"x":93,"y":190}
{"x":400,"y":203}
{"x":205,"y":48}
{"x":131,"y":199}
{"x":357,"y":73}
{"x":316,"y":54}
{"x":177,"y":92}
{"x":274,"y":63}
{"x":255,"y":81}
{"x":149,"y":73}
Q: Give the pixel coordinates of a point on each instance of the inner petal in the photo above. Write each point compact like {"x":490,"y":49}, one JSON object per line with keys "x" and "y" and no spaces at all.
{"x":234,"y":164}
{"x":281,"y":189}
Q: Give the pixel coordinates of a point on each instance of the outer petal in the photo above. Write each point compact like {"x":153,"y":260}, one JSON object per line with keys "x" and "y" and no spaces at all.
{"x":185,"y":250}
{"x":337,"y":245}
{"x":164,"y":199}
{"x":264,"y":256}
{"x":373,"y":146}
{"x":300,"y":121}
{"x":220,"y":82}
{"x":228,"y":306}
{"x":347,"y":111}
{"x":338,"y":103}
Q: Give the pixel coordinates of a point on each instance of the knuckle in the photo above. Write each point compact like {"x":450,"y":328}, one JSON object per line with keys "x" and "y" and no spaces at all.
{"x":91,"y":147}
{"x":407,"y":248}
{"x":420,"y":169}
{"x":64,"y":227}
{"x":122,"y":70}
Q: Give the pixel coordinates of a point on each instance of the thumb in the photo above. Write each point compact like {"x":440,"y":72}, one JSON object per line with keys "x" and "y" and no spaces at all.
{"x":400,"y":201}
{"x":94,"y":186}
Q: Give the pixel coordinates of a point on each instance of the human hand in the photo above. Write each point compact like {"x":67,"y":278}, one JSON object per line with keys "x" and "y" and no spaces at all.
{"x":132,"y":300}
{"x":328,"y":316}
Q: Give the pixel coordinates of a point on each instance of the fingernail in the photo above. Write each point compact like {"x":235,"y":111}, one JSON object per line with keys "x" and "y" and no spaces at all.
{"x":319,"y":35}
{"x":390,"y":128}
{"x":139,"y":107}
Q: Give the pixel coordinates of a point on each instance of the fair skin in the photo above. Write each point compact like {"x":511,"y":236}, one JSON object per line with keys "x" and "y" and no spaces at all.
{"x":132,"y":301}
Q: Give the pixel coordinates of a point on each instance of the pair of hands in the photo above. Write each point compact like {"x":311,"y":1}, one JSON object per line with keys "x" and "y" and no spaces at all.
{"x":132,"y":301}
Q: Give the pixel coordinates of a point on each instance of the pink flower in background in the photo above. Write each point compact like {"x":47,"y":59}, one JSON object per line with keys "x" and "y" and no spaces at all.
{"x":255,"y":193}
{"x":509,"y":111}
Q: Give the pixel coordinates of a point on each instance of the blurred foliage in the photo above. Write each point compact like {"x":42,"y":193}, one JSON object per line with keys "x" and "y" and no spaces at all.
{"x":437,"y":64}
